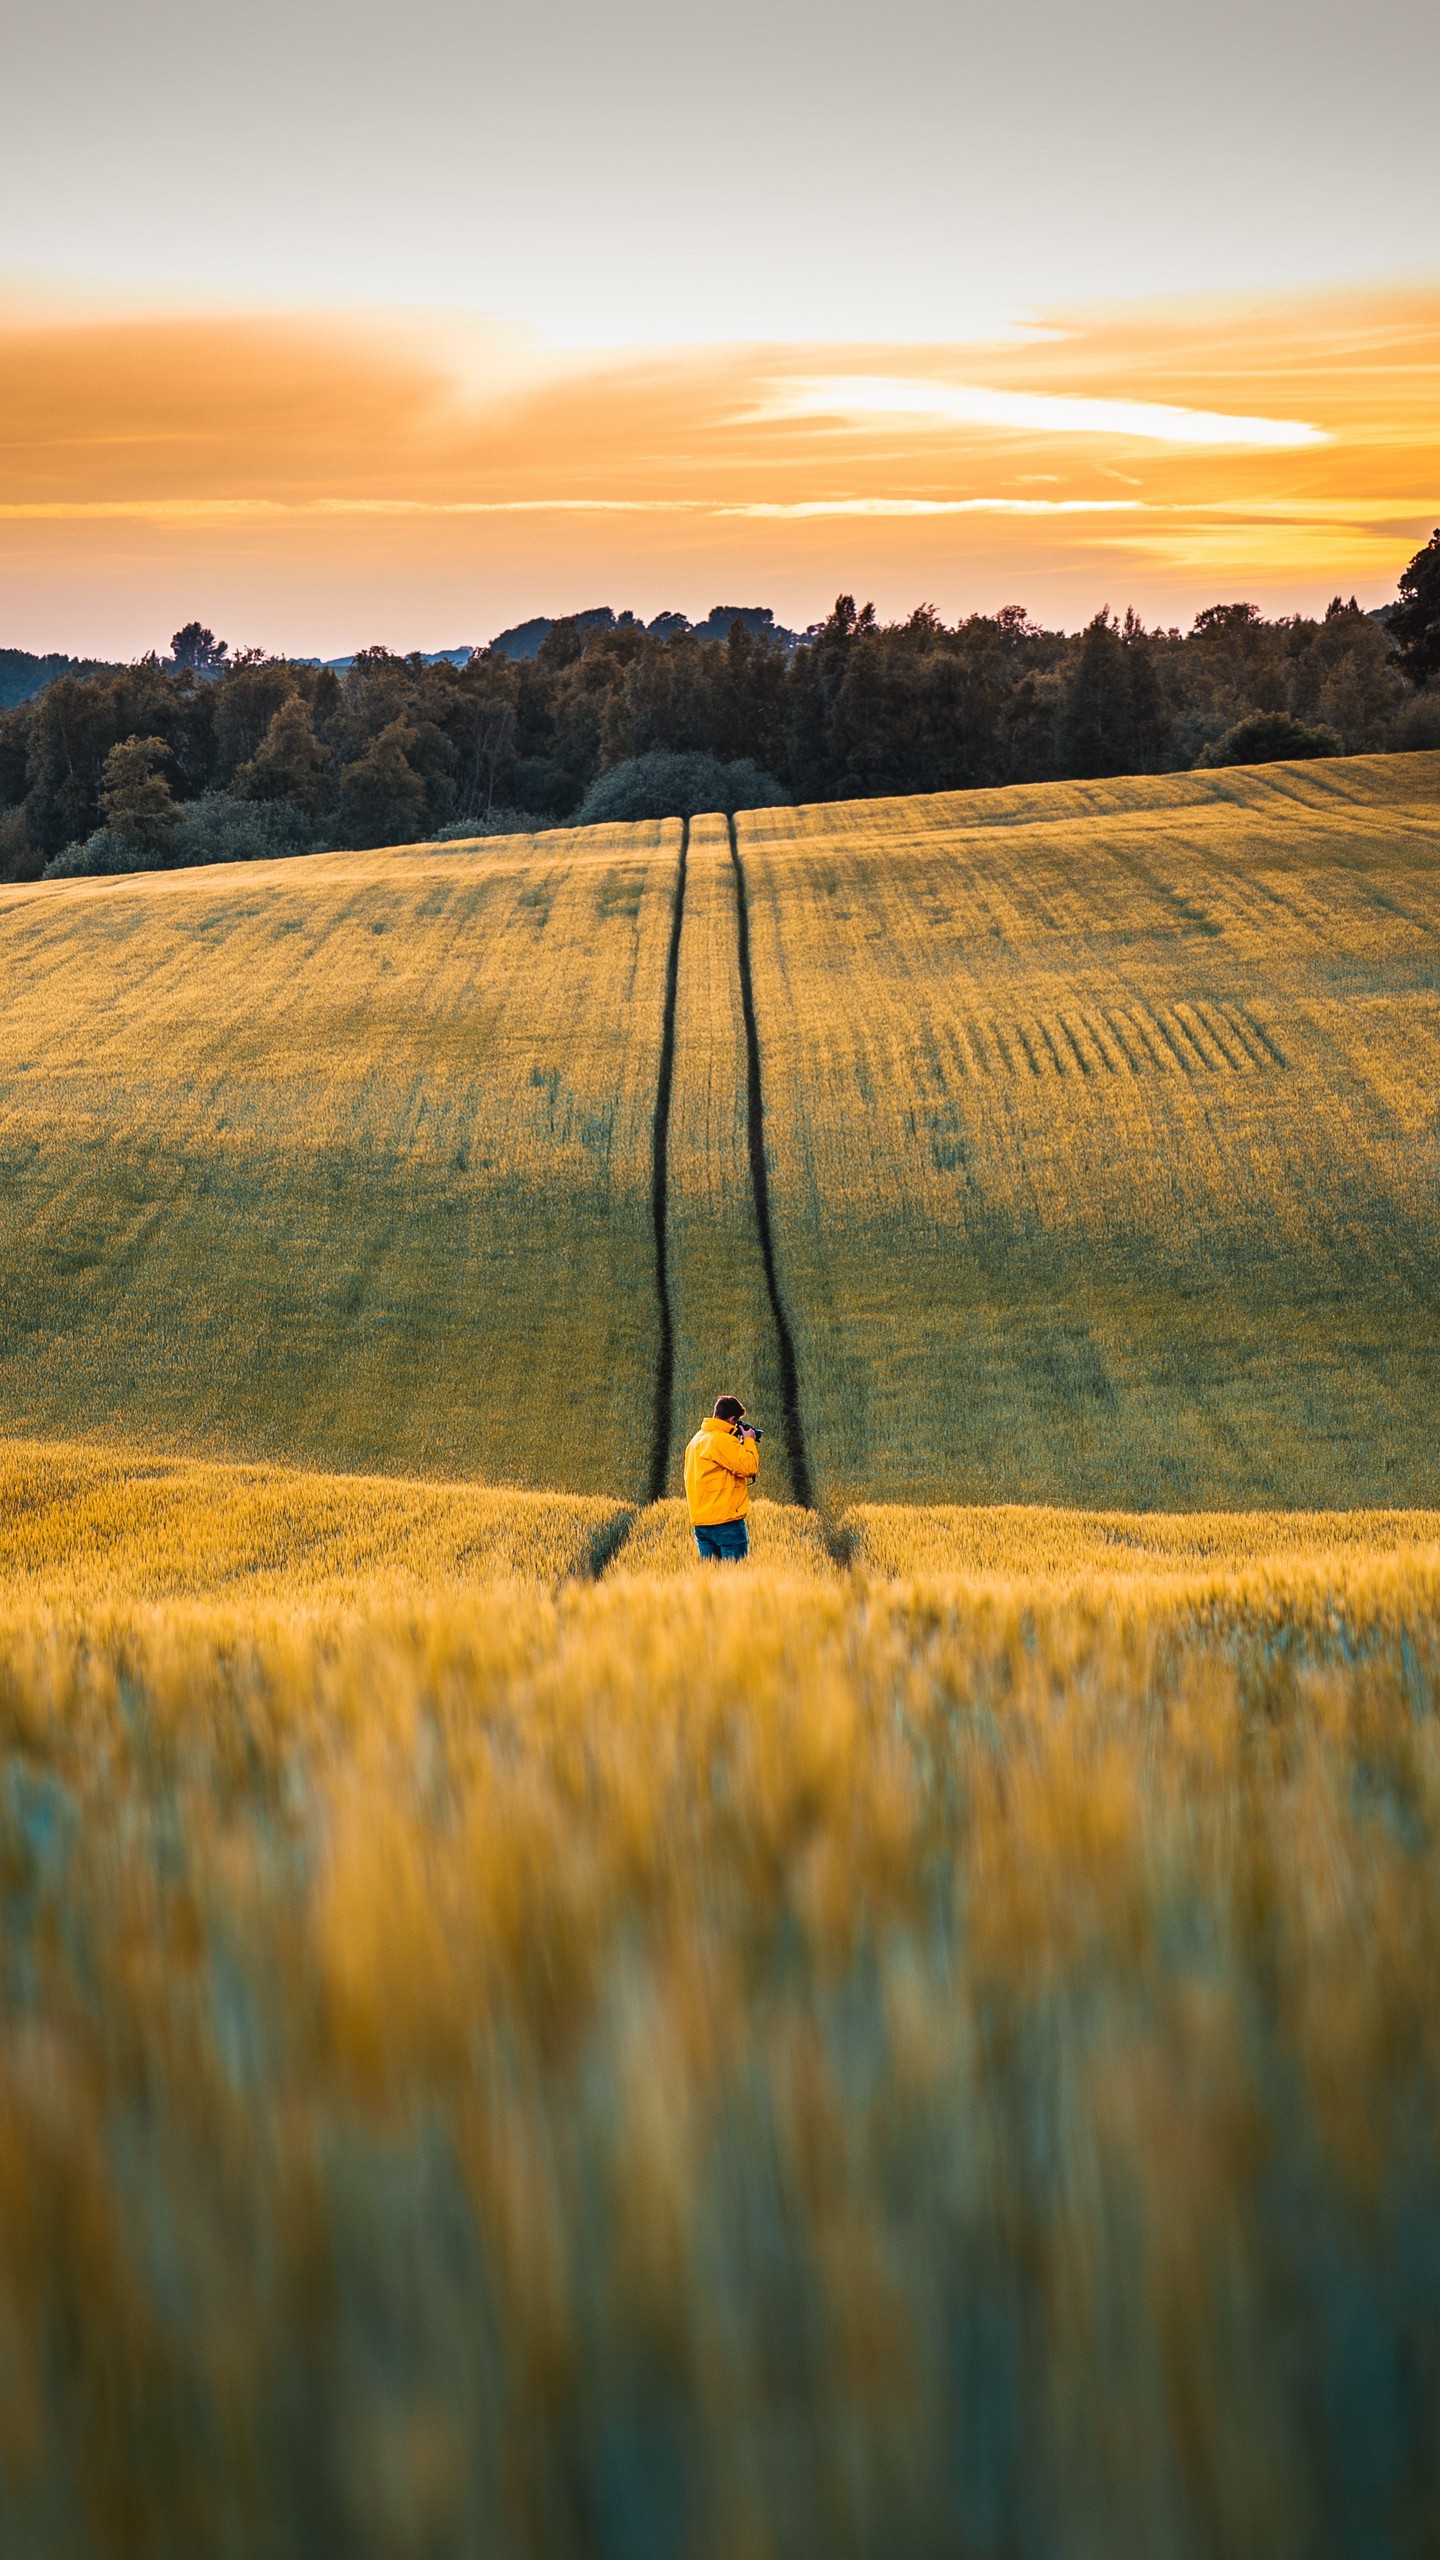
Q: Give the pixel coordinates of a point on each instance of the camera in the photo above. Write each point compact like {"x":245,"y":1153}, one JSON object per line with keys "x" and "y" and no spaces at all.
{"x":753,"y":1428}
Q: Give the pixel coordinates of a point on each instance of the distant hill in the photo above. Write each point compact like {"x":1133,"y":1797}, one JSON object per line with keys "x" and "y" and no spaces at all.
{"x":23,"y":675}
{"x":758,"y":619}
{"x":428,"y":658}
{"x":524,"y":638}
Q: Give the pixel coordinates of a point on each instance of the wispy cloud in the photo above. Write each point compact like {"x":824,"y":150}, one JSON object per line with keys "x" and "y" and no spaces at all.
{"x":857,"y":399}
{"x":266,"y":510}
{"x":793,"y":509}
{"x":300,"y":481}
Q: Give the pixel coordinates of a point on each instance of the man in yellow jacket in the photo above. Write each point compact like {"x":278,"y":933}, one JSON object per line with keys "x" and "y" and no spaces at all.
{"x":721,"y":1464}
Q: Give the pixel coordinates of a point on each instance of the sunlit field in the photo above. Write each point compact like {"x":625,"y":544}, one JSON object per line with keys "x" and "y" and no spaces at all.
{"x":344,"y":1160}
{"x":1104,"y":1132}
{"x":1101,"y":1125}
{"x":516,"y":2047}
{"x":84,"y":1527}
{"x":930,"y":2056}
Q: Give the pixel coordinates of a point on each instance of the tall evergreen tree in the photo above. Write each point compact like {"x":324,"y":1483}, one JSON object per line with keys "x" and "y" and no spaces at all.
{"x":382,"y":798}
{"x":135,"y":796}
{"x":290,"y":763}
{"x":1415,"y":622}
{"x":1097,"y":718}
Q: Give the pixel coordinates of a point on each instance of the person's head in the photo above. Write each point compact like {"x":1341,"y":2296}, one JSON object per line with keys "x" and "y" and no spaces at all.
{"x":729,"y":1409}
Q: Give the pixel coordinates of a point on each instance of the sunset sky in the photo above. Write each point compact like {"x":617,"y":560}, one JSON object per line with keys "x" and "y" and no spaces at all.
{"x":338,"y":325}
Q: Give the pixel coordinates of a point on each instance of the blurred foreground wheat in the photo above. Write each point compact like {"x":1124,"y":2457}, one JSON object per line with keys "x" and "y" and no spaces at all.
{"x":780,"y":2062}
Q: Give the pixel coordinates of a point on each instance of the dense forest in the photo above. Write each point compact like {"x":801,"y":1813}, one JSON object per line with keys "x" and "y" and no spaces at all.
{"x":204,"y":757}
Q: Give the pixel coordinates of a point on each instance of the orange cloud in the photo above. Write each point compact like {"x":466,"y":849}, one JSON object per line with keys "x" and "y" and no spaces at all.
{"x":306,"y":474}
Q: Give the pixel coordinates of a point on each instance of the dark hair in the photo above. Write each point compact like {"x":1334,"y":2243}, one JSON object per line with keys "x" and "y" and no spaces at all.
{"x":728,"y":1408}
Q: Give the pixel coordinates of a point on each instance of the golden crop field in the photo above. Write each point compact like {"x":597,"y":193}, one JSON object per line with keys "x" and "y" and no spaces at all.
{"x":86,"y":1527}
{"x":1100,"y":1123}
{"x":343,"y":1160}
{"x":1104,"y":1127}
{"x":797,"y":2062}
{"x":515,"y":2048}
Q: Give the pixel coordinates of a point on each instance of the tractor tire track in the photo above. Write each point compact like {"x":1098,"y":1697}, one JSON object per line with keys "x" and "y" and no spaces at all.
{"x":660,"y":1193}
{"x":792,"y":1425}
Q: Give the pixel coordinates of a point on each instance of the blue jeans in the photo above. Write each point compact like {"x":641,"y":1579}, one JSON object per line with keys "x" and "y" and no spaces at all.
{"x":727,"y":1543}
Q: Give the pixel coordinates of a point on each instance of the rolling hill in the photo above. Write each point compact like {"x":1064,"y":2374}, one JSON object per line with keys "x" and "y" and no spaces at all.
{"x":344,"y":1160}
{"x":1099,"y":1140}
{"x":1105,"y":1140}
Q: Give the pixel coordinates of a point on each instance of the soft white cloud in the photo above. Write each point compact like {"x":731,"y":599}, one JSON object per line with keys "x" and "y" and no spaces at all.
{"x":220,"y":510}
{"x":937,"y":507}
{"x":855,"y":399}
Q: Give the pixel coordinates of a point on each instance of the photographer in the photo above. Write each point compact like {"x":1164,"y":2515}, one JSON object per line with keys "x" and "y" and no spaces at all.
{"x":721,"y":1464}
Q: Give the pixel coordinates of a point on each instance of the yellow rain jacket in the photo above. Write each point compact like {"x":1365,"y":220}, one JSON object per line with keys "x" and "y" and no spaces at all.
{"x":719,"y":1470}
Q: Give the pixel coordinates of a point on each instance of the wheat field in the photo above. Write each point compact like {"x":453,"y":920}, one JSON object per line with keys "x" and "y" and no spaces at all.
{"x":343,"y":1160}
{"x":1104,"y":1132}
{"x":588,"y":2057}
{"x":1100,"y":1123}
{"x":514,"y":2047}
{"x":83,"y":1527}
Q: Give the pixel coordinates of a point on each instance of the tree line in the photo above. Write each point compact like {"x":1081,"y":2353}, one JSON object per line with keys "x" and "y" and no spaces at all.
{"x":209,"y":756}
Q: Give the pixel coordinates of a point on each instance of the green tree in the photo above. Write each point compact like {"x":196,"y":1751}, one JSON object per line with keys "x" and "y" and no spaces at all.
{"x":670,"y":785}
{"x":196,"y":647}
{"x":382,"y":797}
{"x":246,"y":703}
{"x":1152,"y":741}
{"x":1270,"y":737}
{"x":290,"y":763}
{"x":75,"y":723}
{"x":1097,"y":720}
{"x":15,"y":755}
{"x":817,"y":756}
{"x":1233,"y":664}
{"x":1414,"y":624}
{"x":137,"y":801}
{"x":478,"y":716}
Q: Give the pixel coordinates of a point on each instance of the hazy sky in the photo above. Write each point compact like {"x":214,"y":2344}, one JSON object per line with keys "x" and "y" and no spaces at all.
{"x":608,"y":183}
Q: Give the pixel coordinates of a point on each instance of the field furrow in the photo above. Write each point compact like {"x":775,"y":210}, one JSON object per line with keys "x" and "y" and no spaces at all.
{"x":724,"y":1337}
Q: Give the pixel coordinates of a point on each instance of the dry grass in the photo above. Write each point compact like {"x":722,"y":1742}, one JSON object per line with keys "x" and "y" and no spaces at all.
{"x":345,"y":1161}
{"x":84,"y":1527}
{"x":775,"y":2062}
{"x":1103,"y":1127}
{"x":1006,"y":1541}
